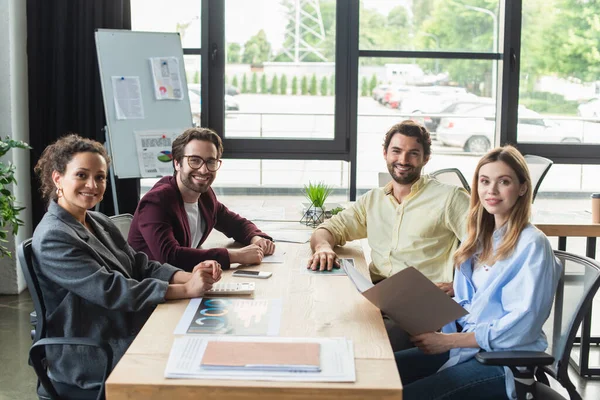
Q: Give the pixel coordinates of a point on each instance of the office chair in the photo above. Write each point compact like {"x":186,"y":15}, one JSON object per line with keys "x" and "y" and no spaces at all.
{"x":576,"y":290}
{"x":123,"y":222}
{"x":451,"y":176}
{"x":46,"y":389}
{"x":384,"y":178}
{"x":538,"y":168}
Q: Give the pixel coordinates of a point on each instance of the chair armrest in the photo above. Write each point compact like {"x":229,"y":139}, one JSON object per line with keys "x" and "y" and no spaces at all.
{"x":37,"y":356}
{"x":515,"y":358}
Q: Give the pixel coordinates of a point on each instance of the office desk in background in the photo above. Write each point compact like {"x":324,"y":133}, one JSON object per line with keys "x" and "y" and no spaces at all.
{"x":574,"y":224}
{"x":313,"y":306}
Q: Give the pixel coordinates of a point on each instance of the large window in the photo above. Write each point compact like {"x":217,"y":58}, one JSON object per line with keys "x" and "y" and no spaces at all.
{"x":559,"y":87}
{"x":304,"y":90}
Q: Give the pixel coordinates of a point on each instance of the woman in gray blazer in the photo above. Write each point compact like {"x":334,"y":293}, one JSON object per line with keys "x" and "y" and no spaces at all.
{"x":93,"y":283}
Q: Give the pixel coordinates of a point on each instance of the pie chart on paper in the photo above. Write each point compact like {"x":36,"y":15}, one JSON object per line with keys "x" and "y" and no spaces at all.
{"x":165,"y":156}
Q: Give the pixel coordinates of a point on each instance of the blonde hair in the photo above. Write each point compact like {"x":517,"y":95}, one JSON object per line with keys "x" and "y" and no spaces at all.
{"x":480,"y":224}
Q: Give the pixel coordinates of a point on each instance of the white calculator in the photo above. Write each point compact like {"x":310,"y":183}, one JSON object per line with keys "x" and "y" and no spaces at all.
{"x":226,"y":289}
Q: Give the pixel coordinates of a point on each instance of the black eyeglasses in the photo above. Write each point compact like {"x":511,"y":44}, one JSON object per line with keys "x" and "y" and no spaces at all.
{"x":196,"y":162}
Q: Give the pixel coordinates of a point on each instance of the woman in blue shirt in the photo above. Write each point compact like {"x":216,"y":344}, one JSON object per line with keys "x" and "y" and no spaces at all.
{"x":506,"y":278}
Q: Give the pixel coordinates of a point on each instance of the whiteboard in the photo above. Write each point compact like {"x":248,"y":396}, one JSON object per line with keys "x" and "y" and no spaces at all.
{"x":123,"y":53}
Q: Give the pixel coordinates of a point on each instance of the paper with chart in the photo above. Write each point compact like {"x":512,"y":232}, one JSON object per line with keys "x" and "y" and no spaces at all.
{"x":166,"y":77}
{"x":231,"y":316}
{"x":154,"y":152}
{"x":127,"y":97}
{"x":336,"y":360}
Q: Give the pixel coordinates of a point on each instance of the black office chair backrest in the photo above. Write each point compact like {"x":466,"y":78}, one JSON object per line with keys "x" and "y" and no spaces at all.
{"x":37,"y":353}
{"x":452,"y":176}
{"x":538,"y":168}
{"x":579,"y":283}
{"x":123,"y":222}
{"x":25,"y":256}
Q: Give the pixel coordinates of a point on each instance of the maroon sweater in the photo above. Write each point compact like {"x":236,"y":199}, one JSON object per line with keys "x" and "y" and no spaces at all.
{"x":160,"y":227}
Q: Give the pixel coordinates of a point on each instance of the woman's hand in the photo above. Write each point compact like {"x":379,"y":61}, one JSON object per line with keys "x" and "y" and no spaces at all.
{"x":433,"y":342}
{"x":200,"y":282}
{"x":210,"y":266}
{"x":437,"y":343}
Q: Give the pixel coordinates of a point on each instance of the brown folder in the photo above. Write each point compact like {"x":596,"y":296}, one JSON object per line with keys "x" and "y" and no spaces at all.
{"x":262,"y":355}
{"x":415,"y":303}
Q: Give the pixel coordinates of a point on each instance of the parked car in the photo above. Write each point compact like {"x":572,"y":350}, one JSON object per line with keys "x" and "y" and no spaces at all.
{"x":432,"y":99}
{"x":379,"y":91}
{"x":474,"y":129}
{"x":231,"y":90}
{"x":456,"y":107}
{"x":589,"y":109}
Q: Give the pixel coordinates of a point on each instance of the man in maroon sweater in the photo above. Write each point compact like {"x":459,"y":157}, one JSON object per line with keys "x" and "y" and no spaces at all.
{"x":180,"y":211}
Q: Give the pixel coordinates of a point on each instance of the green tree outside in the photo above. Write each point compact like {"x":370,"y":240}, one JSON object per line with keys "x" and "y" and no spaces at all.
{"x":257,"y":49}
{"x":364,"y":86}
{"x":234,"y":81}
{"x":263,"y":84}
{"x":244,"y":88}
{"x":304,"y":86}
{"x":324,"y":88}
{"x":312,"y":89}
{"x":254,"y":83}
{"x":275,"y":84}
{"x":283,"y":84}
{"x":373,"y":83}
{"x":234,"y":53}
{"x":196,"y":77}
{"x":294,"y":86}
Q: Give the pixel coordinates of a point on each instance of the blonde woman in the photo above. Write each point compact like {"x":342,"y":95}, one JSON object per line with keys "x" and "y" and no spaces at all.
{"x":506,"y":278}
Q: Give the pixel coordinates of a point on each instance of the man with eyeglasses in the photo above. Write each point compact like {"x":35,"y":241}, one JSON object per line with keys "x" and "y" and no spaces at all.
{"x":179,"y":212}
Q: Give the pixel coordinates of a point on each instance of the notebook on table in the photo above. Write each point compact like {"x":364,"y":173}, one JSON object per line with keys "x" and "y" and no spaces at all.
{"x":262,"y":356}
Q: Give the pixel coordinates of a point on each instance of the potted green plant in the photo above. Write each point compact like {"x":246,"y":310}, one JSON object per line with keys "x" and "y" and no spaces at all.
{"x":9,"y":211}
{"x":316,"y":193}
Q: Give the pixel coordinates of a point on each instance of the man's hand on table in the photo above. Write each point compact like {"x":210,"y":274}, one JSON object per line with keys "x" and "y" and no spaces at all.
{"x":265,"y":244}
{"x":323,"y":259}
{"x":251,"y":254}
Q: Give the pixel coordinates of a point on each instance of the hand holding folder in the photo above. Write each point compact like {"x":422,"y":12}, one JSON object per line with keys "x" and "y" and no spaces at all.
{"x":266,"y":356}
{"x":411,"y":300}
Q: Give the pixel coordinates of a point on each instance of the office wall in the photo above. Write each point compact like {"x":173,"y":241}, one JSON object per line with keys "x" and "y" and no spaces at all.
{"x":14,"y":122}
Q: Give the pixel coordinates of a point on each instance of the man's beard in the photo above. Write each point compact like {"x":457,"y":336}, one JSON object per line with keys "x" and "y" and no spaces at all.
{"x":407,"y":179}
{"x":188,"y":182}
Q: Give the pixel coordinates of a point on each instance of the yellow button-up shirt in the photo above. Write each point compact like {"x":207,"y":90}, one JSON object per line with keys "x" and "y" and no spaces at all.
{"x":422,"y":232}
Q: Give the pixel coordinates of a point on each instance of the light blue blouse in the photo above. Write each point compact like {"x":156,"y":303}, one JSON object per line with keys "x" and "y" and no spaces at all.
{"x":508,"y":311}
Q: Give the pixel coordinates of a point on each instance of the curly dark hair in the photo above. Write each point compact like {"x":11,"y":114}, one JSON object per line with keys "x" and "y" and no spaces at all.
{"x":56,"y":157}
{"x":412,"y":129}
{"x":204,"y":134}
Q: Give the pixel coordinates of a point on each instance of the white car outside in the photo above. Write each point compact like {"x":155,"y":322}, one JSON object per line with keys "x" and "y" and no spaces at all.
{"x":474,"y":130}
{"x":590,"y":109}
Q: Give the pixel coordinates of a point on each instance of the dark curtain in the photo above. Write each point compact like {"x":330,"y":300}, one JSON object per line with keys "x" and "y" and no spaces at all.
{"x":64,"y":83}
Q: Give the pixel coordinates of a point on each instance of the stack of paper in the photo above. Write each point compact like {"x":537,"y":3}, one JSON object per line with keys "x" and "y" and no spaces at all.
{"x":233,"y":357}
{"x":262,"y":356}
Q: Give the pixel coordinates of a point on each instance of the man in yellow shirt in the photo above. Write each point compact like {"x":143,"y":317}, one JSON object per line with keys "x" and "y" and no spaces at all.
{"x":414,"y":220}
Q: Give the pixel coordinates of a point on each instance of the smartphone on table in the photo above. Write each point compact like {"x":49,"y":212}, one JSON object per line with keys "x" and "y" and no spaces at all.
{"x":252,"y":274}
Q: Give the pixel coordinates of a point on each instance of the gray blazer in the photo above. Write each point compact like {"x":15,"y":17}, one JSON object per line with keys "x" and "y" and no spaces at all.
{"x":93,"y":286}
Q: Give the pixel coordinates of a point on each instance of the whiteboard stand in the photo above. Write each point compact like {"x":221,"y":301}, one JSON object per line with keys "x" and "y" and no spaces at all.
{"x":111,"y":171}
